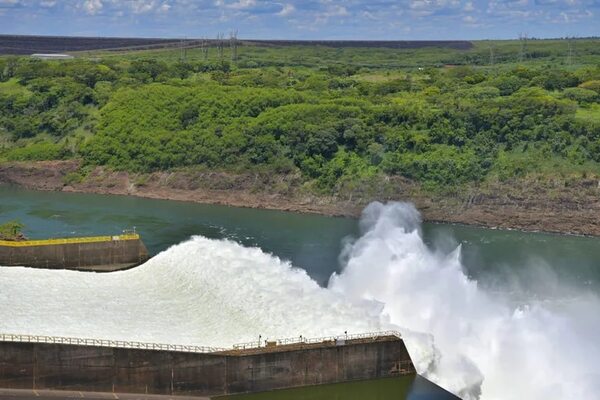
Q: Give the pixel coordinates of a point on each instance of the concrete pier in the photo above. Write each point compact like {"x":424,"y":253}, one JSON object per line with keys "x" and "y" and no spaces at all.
{"x":100,"y":254}
{"x":188,"y":371}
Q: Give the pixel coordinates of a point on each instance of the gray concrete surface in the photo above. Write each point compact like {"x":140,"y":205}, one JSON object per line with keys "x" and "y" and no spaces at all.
{"x":132,"y":370}
{"x":20,"y":394}
{"x":102,"y":256}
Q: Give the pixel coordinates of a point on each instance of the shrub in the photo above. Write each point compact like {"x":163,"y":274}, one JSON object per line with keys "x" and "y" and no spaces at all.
{"x":38,"y":152}
{"x":591,"y":85}
{"x":581,"y":95}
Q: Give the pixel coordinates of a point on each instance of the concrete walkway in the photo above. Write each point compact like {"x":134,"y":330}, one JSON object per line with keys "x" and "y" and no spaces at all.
{"x":16,"y":394}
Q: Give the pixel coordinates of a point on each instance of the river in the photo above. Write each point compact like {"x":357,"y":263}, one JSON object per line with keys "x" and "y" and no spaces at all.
{"x":506,"y":276}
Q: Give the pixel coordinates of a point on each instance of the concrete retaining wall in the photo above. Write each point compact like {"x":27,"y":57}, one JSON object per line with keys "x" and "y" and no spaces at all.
{"x":97,"y":256}
{"x":98,"y":369}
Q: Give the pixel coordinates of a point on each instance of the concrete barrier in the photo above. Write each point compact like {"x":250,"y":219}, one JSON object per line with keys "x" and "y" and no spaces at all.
{"x":49,"y":366}
{"x":104,"y":253}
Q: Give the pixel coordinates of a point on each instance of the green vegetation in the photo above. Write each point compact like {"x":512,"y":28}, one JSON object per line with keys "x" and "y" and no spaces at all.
{"x":11,"y":231}
{"x":336,"y":117}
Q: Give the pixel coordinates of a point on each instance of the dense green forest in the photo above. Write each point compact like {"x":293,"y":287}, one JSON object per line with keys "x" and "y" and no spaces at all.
{"x":440,"y":117}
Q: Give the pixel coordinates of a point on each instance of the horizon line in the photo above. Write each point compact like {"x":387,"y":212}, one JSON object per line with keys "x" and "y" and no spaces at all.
{"x":188,"y":38}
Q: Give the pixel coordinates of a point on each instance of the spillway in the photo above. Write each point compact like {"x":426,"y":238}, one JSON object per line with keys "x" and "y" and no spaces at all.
{"x":477,"y":344}
{"x":201,"y":292}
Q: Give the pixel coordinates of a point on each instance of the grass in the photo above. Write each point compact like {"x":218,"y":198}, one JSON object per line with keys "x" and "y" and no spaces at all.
{"x":12,"y":87}
{"x":589,"y":114}
{"x":376,"y":77}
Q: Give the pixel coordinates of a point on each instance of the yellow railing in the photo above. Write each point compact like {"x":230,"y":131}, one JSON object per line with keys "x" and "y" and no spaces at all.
{"x":51,"y":242}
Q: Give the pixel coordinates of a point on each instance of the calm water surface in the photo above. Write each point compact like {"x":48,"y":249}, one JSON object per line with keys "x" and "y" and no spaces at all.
{"x":408,"y":388}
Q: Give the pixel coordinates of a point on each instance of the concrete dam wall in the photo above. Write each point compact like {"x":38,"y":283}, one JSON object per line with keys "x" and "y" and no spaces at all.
{"x":126,"y":370}
{"x":102,"y":253}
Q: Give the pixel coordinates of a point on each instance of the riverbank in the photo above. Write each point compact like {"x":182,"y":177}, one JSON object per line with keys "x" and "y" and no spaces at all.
{"x":568,"y":205}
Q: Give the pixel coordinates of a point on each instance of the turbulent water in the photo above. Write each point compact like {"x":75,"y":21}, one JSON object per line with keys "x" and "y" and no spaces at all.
{"x":217,"y":292}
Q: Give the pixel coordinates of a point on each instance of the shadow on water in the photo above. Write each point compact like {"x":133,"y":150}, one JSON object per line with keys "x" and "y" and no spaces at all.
{"x":403,"y":388}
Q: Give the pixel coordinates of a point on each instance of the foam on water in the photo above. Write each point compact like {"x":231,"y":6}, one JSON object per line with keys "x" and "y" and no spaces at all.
{"x":217,"y":293}
{"x":203,"y":291}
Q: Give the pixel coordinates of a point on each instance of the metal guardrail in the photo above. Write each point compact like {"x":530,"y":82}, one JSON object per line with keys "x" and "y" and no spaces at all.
{"x":7,"y":337}
{"x":50,"y":242}
{"x":107,"y":343}
{"x":303,"y":340}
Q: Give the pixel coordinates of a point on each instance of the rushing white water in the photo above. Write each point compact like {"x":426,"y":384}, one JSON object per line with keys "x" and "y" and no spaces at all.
{"x":218,"y":293}
{"x":485,"y":345}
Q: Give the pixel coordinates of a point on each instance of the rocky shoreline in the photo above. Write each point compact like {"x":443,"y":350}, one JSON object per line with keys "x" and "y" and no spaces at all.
{"x":568,"y":207}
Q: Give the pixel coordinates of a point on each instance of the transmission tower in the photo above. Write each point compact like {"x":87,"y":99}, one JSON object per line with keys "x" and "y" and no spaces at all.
{"x":182,"y":50}
{"x":233,"y":44}
{"x":220,"y":45}
{"x":204,"y":49}
{"x":523,"y":52}
{"x":492,"y":55}
{"x":570,"y":53}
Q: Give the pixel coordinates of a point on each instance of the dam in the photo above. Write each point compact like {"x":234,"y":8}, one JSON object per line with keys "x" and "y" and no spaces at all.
{"x":98,"y":253}
{"x":92,"y":365}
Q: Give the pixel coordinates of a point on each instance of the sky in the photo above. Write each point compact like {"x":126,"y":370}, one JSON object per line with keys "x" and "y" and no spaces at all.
{"x":310,"y":19}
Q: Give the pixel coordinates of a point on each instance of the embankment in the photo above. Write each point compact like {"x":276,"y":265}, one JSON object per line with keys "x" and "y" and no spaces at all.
{"x":561,"y":205}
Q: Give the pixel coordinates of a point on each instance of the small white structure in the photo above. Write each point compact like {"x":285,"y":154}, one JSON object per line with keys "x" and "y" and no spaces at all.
{"x":52,"y":56}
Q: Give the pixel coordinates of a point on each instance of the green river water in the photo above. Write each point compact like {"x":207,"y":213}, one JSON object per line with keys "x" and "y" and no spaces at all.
{"x":501,"y":261}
